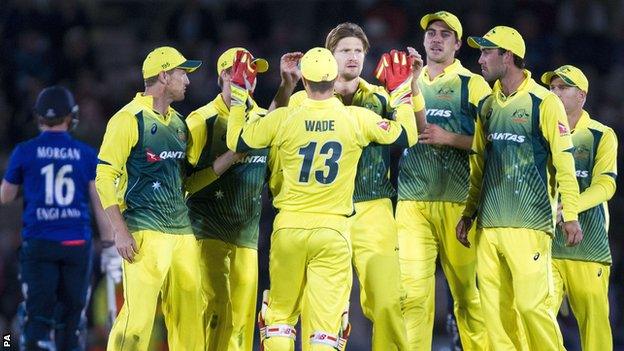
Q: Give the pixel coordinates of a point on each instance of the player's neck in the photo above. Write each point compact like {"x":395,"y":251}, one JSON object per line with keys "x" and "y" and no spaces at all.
{"x":314,"y":95}
{"x":346,"y":88}
{"x":574,"y":117}
{"x":512,"y":80}
{"x":434,"y":69}
{"x":160,"y":101}
{"x":59,"y":128}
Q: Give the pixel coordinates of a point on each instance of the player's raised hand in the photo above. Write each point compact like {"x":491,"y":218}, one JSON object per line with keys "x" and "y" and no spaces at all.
{"x":394,"y":71}
{"x":289,"y":68}
{"x":125,"y":244}
{"x":243,"y":77}
{"x":573,"y":231}
{"x":462,"y":229}
{"x":417,"y":66}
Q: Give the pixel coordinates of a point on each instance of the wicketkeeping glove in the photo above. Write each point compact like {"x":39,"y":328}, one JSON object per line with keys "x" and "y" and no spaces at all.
{"x":110,"y":263}
{"x":394,"y":71}
{"x":243,"y":77}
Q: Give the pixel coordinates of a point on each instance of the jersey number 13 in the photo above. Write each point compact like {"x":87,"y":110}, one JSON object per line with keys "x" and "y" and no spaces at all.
{"x":332,"y":150}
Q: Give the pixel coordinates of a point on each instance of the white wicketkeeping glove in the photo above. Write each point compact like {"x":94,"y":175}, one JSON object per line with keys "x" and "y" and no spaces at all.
{"x":110,"y":263}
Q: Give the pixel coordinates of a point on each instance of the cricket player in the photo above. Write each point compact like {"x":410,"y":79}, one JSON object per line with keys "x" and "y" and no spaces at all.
{"x":319,"y":143}
{"x":57,"y":174}
{"x":225,"y":216}
{"x":373,"y":229}
{"x":522,"y":161}
{"x":582,"y":272}
{"x":433,"y":186}
{"x":141,"y":160}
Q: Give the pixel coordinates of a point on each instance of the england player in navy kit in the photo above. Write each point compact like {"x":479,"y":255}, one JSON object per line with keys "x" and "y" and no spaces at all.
{"x":57,"y":174}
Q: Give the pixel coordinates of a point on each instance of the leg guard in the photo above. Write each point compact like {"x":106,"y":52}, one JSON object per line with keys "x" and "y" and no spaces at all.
{"x":276,"y":330}
{"x":338,"y":342}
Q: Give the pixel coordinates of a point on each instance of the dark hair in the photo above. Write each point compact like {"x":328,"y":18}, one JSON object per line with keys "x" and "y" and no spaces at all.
{"x":346,"y":30}
{"x":517,"y":60}
{"x":51,"y":122}
{"x":320,"y":87}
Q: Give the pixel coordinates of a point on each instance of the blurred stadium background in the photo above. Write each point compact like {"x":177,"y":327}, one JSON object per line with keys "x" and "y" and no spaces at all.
{"x":96,"y":47}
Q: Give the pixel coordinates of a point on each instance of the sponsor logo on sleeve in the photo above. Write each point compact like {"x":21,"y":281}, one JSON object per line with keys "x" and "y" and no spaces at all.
{"x":385,"y":125}
{"x":563,"y":130}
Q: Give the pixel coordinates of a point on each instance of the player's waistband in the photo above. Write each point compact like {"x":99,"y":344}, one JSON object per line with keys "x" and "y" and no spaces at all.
{"x":307,"y":220}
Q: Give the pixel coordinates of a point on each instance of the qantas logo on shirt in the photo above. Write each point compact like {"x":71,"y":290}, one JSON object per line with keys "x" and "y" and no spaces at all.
{"x":506,"y":136}
{"x":433,"y":112}
{"x":563,"y":130}
{"x":152,"y":157}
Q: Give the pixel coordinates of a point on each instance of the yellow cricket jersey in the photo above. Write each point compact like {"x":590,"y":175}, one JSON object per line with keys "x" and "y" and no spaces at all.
{"x":372,"y":180}
{"x":595,"y":156}
{"x":319,"y":144}
{"x":434,"y":172}
{"x":140,"y":167}
{"x":523,"y":158}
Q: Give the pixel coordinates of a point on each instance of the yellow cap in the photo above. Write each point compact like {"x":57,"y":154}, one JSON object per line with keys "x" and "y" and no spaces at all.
{"x":319,"y":65}
{"x":570,"y":75}
{"x":450,"y":19}
{"x":166,"y":58}
{"x":226,"y":60}
{"x":500,"y":37}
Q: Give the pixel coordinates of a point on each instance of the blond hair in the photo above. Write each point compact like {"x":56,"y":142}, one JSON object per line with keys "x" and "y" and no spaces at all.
{"x":346,"y":30}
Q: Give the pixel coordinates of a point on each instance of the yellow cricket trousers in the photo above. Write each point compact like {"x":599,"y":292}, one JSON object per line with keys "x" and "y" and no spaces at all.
{"x":311,"y":274}
{"x":376,"y":261}
{"x":514,"y":270}
{"x":586,"y":284}
{"x":229,"y":281}
{"x":166,"y":264}
{"x":426,"y":230}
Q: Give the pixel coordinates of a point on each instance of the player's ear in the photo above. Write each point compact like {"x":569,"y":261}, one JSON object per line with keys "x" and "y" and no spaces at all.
{"x":162,"y":77}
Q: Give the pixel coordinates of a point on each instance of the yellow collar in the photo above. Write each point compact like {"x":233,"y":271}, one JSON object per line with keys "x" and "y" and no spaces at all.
{"x":333,"y":101}
{"x":583,"y":122}
{"x":220,"y":106}
{"x":452,"y":68}
{"x":148,"y":102}
{"x":525,"y":85}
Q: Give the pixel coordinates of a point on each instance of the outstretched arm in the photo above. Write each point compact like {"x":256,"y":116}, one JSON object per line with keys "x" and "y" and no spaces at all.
{"x":290,"y":73}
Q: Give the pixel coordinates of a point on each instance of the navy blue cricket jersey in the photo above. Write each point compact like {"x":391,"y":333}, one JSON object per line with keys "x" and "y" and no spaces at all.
{"x":55,"y":171}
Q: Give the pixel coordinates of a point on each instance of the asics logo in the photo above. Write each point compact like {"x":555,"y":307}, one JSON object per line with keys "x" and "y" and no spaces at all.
{"x":582,"y":174}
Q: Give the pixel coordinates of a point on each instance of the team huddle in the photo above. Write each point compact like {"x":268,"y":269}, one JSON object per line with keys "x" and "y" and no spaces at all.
{"x":504,"y":180}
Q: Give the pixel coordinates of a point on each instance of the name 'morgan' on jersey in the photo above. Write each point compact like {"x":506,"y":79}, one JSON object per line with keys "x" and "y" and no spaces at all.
{"x":55,"y":171}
